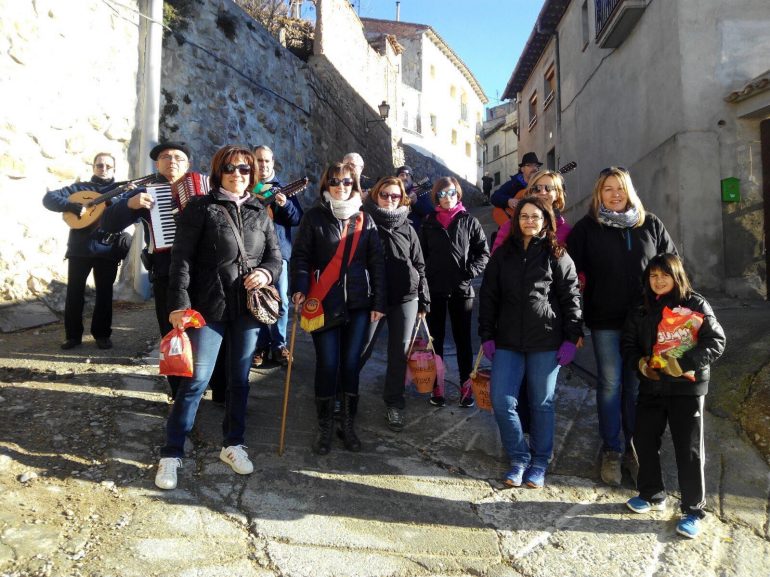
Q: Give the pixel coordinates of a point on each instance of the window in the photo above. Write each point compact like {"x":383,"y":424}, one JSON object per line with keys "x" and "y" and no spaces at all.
{"x":495,"y":152}
{"x":464,"y":107}
{"x":549,"y":86}
{"x":433,"y":124}
{"x":550,"y":159}
{"x":497,"y":178}
{"x":454,"y":137}
{"x":468,"y":149}
{"x":584,"y":21}
{"x":432,"y":71}
{"x":452,"y":91}
{"x":532,"y":110}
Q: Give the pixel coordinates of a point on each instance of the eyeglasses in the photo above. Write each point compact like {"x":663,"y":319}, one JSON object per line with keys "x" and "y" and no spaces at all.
{"x":543,"y":187}
{"x":610,"y":169}
{"x":244,"y":169}
{"x":173,"y":157}
{"x":447,"y":192}
{"x":386,"y":196}
{"x":340,"y":181}
{"x":102,"y":166}
{"x":530,"y":217}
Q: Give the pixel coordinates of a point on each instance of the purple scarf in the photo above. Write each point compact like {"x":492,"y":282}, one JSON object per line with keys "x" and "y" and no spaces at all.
{"x":445,"y":216}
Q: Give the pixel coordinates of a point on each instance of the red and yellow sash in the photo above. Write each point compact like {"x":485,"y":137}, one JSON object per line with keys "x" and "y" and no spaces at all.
{"x":312,"y":316}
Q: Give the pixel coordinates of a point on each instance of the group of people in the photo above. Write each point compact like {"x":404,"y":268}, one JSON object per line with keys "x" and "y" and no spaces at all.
{"x":398,"y":252}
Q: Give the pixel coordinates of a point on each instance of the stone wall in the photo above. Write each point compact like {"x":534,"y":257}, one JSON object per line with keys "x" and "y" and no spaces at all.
{"x":69,"y":76}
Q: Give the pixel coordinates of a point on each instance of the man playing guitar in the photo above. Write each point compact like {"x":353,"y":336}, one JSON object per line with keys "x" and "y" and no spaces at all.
{"x":504,"y":198}
{"x":421,"y":204}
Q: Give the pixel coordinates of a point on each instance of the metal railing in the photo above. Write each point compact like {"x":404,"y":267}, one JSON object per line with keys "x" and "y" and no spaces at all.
{"x":604,"y":11}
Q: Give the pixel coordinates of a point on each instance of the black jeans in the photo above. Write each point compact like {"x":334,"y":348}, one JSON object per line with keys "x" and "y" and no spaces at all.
{"x":78,"y":269}
{"x":400,"y":319}
{"x":218,"y":381}
{"x":460,"y":311}
{"x":684,"y":417}
{"x":338,"y":355}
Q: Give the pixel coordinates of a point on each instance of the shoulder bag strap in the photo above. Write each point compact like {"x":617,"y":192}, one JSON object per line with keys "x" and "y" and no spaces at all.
{"x":238,"y":237}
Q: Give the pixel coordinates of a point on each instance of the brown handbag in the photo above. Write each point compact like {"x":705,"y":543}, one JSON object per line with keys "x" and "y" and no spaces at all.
{"x":263,"y":303}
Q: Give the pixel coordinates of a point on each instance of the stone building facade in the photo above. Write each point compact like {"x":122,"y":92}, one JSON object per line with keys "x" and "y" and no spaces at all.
{"x":643,"y":85}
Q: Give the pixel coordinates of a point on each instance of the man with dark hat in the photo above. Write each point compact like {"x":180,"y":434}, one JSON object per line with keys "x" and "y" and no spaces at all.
{"x":420,"y":202}
{"x":505,"y":196}
{"x":172,"y":161}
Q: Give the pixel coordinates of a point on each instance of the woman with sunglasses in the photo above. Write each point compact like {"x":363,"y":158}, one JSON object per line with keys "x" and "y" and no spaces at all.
{"x":549,"y":185}
{"x":408,"y":297}
{"x":206,"y":275}
{"x":530,"y":324}
{"x":337,"y":247}
{"x":611,"y":247}
{"x":455,"y":251}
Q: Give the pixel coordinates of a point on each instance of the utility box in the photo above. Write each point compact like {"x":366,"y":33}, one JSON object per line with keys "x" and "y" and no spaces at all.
{"x":731,"y":189}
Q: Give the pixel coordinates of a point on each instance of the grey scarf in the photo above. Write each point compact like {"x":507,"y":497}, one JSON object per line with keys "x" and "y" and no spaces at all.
{"x":627,"y":219}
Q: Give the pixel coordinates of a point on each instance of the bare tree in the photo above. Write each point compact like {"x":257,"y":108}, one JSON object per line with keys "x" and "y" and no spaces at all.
{"x":270,"y":13}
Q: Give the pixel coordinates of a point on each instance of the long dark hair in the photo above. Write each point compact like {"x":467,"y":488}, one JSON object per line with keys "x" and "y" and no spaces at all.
{"x":549,"y":224}
{"x":671,"y":265}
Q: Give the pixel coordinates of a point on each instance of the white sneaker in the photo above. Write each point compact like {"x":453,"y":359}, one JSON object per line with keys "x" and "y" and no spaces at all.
{"x":165,"y":478}
{"x":236,"y":457}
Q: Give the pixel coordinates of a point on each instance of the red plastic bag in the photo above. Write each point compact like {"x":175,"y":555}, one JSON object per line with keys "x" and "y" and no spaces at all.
{"x":176,"y":356}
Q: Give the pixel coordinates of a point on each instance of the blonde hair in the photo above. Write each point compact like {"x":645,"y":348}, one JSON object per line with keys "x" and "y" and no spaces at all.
{"x":624,"y":178}
{"x":558,"y":180}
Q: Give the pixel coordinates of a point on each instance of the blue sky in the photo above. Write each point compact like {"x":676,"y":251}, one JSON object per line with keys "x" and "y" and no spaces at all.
{"x":488,"y":35}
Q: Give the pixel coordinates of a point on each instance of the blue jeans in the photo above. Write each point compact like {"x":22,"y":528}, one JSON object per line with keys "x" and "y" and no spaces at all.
{"x":508,"y":371}
{"x":241,"y":335}
{"x":338,"y":355}
{"x":616,"y":391}
{"x":275,"y":337}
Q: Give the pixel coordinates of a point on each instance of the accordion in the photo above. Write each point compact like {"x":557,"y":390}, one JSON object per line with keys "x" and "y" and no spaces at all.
{"x":169,"y":199}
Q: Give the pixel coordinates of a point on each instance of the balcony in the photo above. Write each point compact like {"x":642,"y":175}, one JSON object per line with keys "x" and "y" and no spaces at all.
{"x":615,"y":19}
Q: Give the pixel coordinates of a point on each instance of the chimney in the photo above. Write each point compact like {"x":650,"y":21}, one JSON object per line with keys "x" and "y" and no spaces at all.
{"x":398,"y":11}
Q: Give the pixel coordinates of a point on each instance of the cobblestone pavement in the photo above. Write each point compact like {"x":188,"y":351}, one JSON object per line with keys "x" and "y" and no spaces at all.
{"x":79,"y":438}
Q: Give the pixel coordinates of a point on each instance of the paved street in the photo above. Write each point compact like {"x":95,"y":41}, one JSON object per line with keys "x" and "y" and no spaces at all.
{"x":81,"y":431}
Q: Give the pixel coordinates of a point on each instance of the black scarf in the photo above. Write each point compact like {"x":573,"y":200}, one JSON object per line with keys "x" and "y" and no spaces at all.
{"x":387,"y":219}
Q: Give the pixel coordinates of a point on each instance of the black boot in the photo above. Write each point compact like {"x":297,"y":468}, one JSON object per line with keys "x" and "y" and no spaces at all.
{"x":325,"y":410}
{"x":348,"y":434}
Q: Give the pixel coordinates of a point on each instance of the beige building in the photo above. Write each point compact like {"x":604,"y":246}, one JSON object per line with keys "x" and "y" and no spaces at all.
{"x":442,"y":103}
{"x":499,"y":133}
{"x":674,"y":91}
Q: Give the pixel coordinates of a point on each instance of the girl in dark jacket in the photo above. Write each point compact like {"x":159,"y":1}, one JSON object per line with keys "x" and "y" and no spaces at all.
{"x":530,"y":323}
{"x":206,"y":275}
{"x":339,"y":317}
{"x":611,"y":246}
{"x":455,"y":251}
{"x":388,"y":205}
{"x":673,"y":394}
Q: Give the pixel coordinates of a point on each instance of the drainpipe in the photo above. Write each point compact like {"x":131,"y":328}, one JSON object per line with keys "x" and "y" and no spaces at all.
{"x":398,"y":11}
{"x":152,"y":35}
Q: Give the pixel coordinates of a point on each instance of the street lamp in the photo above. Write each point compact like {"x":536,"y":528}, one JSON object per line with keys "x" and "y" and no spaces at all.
{"x":384,"y":110}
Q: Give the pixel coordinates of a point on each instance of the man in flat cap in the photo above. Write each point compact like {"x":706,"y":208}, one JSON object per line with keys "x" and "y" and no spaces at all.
{"x":172,"y":161}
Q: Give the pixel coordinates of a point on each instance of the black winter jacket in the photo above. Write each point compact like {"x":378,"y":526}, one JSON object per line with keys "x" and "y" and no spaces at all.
{"x":317,"y":239}
{"x":453,"y":256}
{"x":92,"y":241}
{"x":640,"y":333}
{"x":404,"y":264}
{"x":205,"y":273}
{"x":613,"y":260}
{"x":530,"y":301}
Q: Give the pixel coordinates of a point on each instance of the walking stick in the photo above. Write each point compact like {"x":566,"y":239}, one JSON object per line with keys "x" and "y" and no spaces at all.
{"x":288,"y":380}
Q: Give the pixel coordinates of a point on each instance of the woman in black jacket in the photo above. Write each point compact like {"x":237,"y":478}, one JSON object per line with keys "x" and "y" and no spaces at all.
{"x":611,"y":245}
{"x":338,"y":275}
{"x":408,"y":297}
{"x":206,"y":275}
{"x":672,"y":386}
{"x":455,"y":251}
{"x":530,"y":323}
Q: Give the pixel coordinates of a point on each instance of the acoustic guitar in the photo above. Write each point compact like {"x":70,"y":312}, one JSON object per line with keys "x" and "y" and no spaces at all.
{"x":267,"y":193}
{"x":501,"y":216}
{"x":94,"y":202}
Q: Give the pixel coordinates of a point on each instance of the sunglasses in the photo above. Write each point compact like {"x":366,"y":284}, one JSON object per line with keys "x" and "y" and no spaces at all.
{"x":340,"y":181}
{"x":610,"y":169}
{"x":386,"y":196}
{"x":543,"y":187}
{"x":243,"y":169}
{"x":101,"y":166}
{"x":447,"y":192}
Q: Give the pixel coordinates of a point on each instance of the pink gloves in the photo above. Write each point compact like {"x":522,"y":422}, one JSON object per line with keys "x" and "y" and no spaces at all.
{"x":566,"y":353}
{"x":489,"y":349}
